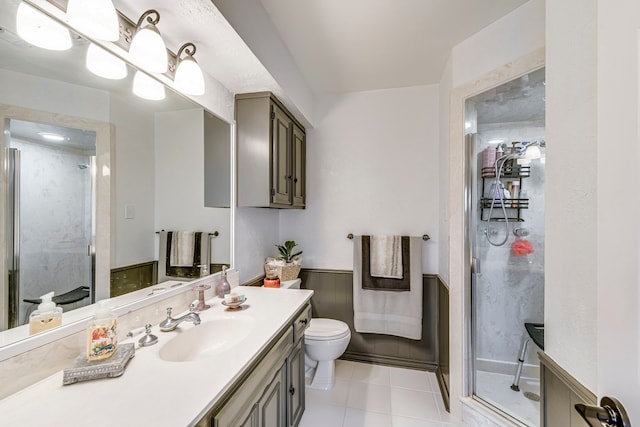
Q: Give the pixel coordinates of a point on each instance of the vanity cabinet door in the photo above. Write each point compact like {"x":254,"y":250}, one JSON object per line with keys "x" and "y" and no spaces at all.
{"x":298,"y":164}
{"x":282,"y":177}
{"x":270,"y":155}
{"x":296,"y":397}
{"x":273,"y":409}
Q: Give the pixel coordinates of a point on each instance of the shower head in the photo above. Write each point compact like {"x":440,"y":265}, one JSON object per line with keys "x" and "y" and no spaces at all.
{"x":83,"y":166}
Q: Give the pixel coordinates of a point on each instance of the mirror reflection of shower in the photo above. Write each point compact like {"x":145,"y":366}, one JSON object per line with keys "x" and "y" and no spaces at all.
{"x":52,"y":216}
{"x":505,"y":129}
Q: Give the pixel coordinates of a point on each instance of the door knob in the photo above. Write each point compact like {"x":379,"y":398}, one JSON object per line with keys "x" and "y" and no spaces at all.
{"x":610,"y":413}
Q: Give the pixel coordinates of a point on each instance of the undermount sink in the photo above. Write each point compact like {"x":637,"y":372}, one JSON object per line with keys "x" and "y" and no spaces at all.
{"x":208,"y":339}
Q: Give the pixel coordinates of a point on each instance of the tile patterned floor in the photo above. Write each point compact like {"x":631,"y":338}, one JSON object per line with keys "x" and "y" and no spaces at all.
{"x":377,"y":396}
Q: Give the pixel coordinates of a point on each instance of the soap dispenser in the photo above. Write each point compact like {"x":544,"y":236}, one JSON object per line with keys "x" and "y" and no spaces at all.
{"x":47,"y":315}
{"x":102,"y":333}
{"x":223,"y":287}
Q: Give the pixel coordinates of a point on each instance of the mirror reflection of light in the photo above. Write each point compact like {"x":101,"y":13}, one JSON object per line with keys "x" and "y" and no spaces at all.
{"x":105,"y":64}
{"x":147,"y":88}
{"x":106,"y":171}
{"x":40,"y":30}
{"x":467,"y":125}
{"x":496,"y":141}
{"x":96,"y":18}
{"x":54,"y":137}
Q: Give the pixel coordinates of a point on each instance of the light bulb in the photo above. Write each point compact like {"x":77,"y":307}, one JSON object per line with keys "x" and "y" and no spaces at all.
{"x":147,"y":48}
{"x":147,"y":88}
{"x":95,"y":18}
{"x":532,"y":152}
{"x":40,"y":30}
{"x":189,"y":78}
{"x":105,"y":64}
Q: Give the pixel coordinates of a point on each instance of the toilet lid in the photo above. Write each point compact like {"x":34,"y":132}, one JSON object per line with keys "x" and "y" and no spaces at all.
{"x":326,"y":329}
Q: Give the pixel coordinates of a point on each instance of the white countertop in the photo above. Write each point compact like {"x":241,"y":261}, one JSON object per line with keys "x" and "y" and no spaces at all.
{"x":153,"y":391}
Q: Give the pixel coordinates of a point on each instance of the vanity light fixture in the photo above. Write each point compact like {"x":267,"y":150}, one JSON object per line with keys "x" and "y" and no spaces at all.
{"x":147,"y":88}
{"x":105,"y":64}
{"x":189,"y":78}
{"x":95,"y":18}
{"x":147,"y":47}
{"x":40,"y":30}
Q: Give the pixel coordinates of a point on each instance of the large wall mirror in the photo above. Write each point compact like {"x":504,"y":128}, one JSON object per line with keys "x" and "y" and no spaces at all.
{"x":94,"y":177}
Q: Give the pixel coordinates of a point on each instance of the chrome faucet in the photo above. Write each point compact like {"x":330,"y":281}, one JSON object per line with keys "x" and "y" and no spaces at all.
{"x":169,"y":324}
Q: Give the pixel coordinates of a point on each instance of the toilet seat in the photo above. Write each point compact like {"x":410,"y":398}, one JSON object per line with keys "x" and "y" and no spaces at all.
{"x":326,"y":330}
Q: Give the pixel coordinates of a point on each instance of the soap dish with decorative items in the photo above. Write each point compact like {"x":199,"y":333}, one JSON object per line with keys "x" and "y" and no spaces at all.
{"x":234,"y":302}
{"x":83,"y":370}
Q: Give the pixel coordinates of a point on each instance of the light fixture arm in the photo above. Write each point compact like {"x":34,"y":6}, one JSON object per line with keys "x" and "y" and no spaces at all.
{"x":150,"y":20}
{"x":189,"y":48}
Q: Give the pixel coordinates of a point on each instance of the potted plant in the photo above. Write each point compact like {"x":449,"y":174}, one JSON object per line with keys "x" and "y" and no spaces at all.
{"x":287,"y":266}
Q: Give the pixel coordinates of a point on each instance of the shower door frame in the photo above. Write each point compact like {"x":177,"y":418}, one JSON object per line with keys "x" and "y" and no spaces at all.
{"x":105,"y":197}
{"x":460,"y":259}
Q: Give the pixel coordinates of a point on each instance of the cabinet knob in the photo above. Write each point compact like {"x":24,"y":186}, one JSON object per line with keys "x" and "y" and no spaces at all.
{"x":292,"y":390}
{"x":289,"y":177}
{"x":304,"y":321}
{"x":295,"y":180}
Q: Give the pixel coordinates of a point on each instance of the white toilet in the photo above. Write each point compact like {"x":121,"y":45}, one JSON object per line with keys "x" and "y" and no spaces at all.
{"x":325,"y":340}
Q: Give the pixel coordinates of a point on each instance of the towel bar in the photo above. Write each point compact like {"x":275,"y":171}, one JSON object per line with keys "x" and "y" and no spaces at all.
{"x":425,"y":237}
{"x":214,"y":234}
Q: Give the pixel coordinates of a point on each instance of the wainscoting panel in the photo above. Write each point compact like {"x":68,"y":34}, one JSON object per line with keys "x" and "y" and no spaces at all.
{"x":333,"y":298}
{"x":133,"y":277}
{"x":442,"y":372}
{"x":560,"y":392}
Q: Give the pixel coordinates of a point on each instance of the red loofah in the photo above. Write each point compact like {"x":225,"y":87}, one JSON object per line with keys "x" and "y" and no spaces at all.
{"x":522,"y":247}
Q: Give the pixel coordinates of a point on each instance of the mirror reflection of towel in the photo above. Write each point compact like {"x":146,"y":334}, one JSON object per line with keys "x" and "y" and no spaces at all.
{"x":180,"y":248}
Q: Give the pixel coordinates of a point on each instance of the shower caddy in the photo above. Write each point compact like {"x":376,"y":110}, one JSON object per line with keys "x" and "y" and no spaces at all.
{"x":510,"y":172}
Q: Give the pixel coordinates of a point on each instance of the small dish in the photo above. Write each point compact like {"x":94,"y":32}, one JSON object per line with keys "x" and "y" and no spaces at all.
{"x":234,"y":305}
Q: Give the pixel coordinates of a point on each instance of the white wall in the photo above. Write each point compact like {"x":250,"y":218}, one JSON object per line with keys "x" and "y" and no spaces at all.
{"x":256,"y":233}
{"x":252,"y":22}
{"x":444,"y":101}
{"x":135,"y":175}
{"x":618,"y":296}
{"x":518,"y":33}
{"x":63,"y":98}
{"x":179,"y":183}
{"x":372,"y":168}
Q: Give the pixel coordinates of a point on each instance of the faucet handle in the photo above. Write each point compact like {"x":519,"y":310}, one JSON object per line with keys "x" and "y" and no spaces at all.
{"x":169,"y":311}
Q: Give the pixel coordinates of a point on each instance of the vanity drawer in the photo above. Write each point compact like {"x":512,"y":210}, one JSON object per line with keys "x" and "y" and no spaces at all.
{"x":301,"y":323}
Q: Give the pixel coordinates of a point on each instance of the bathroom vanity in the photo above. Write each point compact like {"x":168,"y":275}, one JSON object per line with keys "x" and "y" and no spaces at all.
{"x":235,"y":368}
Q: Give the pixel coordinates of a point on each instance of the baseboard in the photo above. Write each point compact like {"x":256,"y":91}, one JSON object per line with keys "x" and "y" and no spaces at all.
{"x":389,"y":361}
{"x":444,"y":388}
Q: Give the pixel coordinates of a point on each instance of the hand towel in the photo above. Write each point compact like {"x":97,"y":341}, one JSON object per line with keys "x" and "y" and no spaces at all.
{"x":386,"y":257}
{"x":389,"y":312}
{"x":201,"y":255}
{"x":182,"y":248}
{"x":385,"y":283}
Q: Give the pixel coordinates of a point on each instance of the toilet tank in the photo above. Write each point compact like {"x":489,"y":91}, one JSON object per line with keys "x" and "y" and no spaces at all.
{"x":291,"y":284}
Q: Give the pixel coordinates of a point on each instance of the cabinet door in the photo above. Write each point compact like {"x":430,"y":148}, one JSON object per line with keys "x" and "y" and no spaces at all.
{"x":273,"y":411}
{"x":296,"y":384}
{"x":281,"y":128}
{"x":298,"y":146}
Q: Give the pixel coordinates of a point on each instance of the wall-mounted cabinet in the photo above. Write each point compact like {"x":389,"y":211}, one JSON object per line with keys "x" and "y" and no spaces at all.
{"x":271,"y":155}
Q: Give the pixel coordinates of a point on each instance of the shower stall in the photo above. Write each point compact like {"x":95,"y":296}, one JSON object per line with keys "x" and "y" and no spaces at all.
{"x":505,"y":137}
{"x":50,"y":175}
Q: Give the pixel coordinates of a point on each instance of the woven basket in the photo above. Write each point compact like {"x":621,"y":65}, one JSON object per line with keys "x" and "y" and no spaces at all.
{"x":284,"y":272}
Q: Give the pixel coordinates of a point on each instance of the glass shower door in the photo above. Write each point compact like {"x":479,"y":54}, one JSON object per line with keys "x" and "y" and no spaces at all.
{"x":506,"y":238}
{"x":51,"y":225}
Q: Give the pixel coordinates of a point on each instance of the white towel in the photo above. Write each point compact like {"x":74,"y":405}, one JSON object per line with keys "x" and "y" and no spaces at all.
{"x":182,"y":249}
{"x":386,"y":257}
{"x":389,"y":312}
